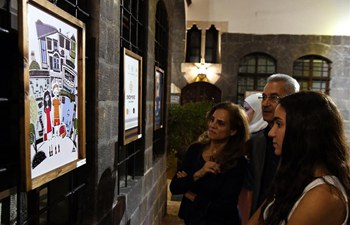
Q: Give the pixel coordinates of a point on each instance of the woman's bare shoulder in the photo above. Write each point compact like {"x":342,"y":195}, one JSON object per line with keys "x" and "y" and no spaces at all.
{"x":318,"y":204}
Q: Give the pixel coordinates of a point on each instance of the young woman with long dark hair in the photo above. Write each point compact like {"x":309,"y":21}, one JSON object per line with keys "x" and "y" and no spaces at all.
{"x":312,"y":184}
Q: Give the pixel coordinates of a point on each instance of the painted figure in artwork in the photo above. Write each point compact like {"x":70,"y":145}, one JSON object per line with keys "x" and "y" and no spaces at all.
{"x":56,"y":102}
{"x":48,"y":128}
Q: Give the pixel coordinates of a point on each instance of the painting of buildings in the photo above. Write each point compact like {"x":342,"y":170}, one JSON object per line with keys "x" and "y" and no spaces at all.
{"x":53,"y":87}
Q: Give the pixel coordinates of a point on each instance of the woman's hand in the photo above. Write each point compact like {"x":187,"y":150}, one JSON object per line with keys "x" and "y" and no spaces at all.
{"x":190,"y":195}
{"x":181,"y":174}
{"x":209,"y":167}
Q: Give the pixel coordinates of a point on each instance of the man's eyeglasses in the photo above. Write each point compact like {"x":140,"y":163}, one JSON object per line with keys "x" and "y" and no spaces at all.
{"x":272,"y":98}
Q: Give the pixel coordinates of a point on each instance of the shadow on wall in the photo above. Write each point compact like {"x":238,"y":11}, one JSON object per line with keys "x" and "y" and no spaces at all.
{"x":105,"y":211}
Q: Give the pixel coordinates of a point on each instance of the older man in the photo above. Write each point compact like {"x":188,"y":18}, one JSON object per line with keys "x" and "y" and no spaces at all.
{"x":263,"y":161}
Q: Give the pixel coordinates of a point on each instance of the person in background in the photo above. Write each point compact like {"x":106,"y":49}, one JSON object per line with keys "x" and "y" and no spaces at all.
{"x":262,"y":160}
{"x":212,"y":172}
{"x":312,"y":184}
{"x":252,"y":107}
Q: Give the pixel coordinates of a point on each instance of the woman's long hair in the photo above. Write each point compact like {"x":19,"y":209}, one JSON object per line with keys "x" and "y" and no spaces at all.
{"x":235,"y":147}
{"x":314,"y":136}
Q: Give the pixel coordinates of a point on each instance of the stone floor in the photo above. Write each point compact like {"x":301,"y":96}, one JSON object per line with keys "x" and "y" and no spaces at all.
{"x":172,"y":209}
{"x":172,"y":220}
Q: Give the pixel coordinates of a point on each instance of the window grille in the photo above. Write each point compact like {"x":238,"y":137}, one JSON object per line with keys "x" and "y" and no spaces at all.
{"x":252,"y":73}
{"x":47,"y":204}
{"x":313,"y":73}
{"x":132,"y":36}
{"x":161,"y":56}
{"x":162,"y":35}
{"x":77,"y":8}
{"x":9,"y":114}
{"x":9,"y":86}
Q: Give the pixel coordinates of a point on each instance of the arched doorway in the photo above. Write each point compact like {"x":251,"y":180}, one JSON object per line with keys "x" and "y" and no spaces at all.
{"x":200,"y":91}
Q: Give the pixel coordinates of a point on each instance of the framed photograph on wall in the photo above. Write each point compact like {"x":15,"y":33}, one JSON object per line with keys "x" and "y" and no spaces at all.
{"x":132,"y":113}
{"x":53,"y":129}
{"x":158,"y":98}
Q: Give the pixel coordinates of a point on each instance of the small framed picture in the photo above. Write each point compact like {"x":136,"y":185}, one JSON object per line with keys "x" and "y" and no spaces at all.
{"x":158,"y":97}
{"x":132,"y":76}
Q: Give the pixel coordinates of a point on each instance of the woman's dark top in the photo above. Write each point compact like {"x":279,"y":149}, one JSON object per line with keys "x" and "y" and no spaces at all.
{"x":217,"y":195}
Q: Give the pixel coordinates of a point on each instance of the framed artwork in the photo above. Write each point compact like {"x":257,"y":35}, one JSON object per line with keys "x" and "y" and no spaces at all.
{"x":53,"y":131}
{"x":132,"y":96}
{"x":158,"y":98}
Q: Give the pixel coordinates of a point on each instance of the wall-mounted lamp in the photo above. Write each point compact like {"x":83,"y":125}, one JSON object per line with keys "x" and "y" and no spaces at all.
{"x":201,"y":77}
{"x":201,"y":71}
{"x":207,"y":72}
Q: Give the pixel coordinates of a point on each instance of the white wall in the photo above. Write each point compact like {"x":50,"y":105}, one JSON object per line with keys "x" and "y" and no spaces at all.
{"x":318,"y":17}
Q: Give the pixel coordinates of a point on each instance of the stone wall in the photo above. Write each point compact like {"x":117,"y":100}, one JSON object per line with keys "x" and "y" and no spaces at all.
{"x":143,"y":201}
{"x":286,"y":49}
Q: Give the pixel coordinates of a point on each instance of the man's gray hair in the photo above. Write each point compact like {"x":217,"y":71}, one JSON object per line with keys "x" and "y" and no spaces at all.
{"x":291,"y":85}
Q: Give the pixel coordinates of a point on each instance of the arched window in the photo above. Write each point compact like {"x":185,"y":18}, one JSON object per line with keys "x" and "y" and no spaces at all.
{"x":202,"y":43}
{"x":55,"y":63}
{"x":211,"y":45}
{"x":313,"y":73}
{"x":193,"y":44}
{"x":252,"y":73}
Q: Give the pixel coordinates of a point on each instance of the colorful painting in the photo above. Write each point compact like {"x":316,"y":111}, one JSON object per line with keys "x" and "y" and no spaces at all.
{"x":53,"y":86}
{"x":53,"y":47}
